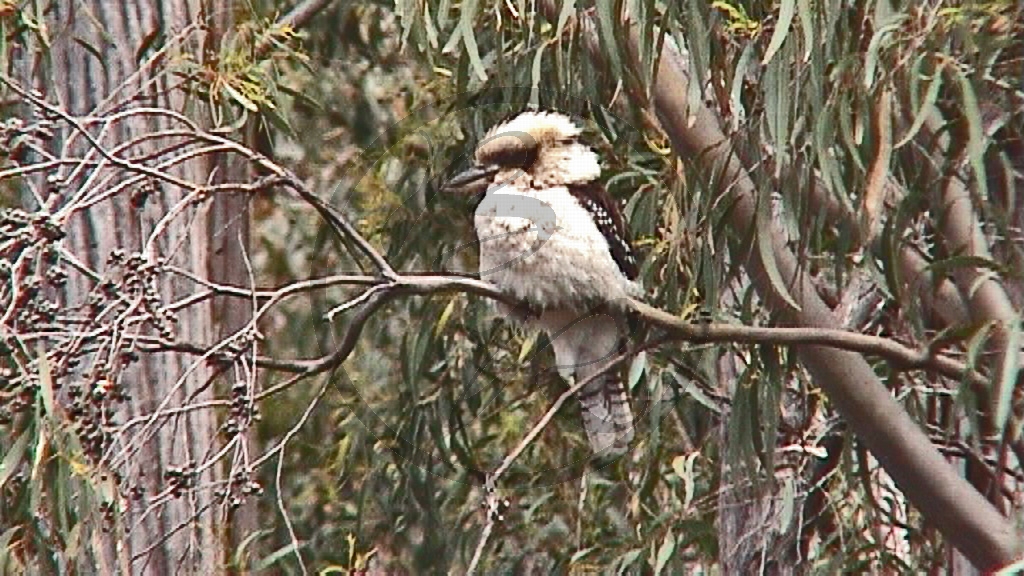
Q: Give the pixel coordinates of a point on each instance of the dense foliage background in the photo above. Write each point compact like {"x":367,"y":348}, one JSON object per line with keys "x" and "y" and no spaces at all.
{"x":863,"y":126}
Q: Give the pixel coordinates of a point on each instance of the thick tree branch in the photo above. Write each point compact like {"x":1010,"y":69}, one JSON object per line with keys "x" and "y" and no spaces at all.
{"x":938,"y":295}
{"x":955,"y":215}
{"x":963,"y":515}
{"x":675,"y":328}
{"x":963,"y":235}
{"x":901,"y":356}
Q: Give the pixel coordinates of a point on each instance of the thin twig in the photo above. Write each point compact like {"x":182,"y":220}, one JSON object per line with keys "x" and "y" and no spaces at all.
{"x":532,"y":435}
{"x":340,"y":224}
{"x":479,"y":552}
{"x":280,"y":466}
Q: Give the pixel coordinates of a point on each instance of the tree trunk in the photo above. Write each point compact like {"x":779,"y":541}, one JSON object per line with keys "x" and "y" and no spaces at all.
{"x":92,"y":70}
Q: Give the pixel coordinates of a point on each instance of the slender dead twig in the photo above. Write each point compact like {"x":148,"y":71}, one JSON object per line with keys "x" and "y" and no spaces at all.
{"x":339,"y":222}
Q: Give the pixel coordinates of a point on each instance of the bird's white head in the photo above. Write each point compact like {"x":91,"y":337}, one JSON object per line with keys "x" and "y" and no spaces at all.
{"x":541,"y":146}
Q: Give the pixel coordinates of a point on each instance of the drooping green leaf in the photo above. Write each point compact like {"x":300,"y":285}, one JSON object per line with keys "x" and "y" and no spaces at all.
{"x":406,"y":12}
{"x":443,"y":12}
{"x":925,"y":110}
{"x":769,"y":391}
{"x":636,"y":369}
{"x":535,"y":76}
{"x":645,"y":18}
{"x":659,"y":50}
{"x":240,"y":98}
{"x":875,"y":46}
{"x":528,"y":343}
{"x":656,"y":388}
{"x":777,"y":102}
{"x":466,"y":23}
{"x":428,"y":25}
{"x":580,"y":554}
{"x":13,"y":459}
{"x":453,"y":40}
{"x":766,"y":251}
{"x":665,"y":552}
{"x":787,"y":8}
{"x":740,"y":448}
{"x":700,"y":60}
{"x":1008,"y":372}
{"x":608,"y":12}
{"x":977,"y":142}
{"x":954,"y":263}
{"x":628,"y":559}
{"x":683,"y":467}
{"x":45,"y":382}
{"x":698,"y":395}
{"x":807,"y":25}
{"x":736,"y":89}
{"x":966,"y":397}
{"x":276,"y":556}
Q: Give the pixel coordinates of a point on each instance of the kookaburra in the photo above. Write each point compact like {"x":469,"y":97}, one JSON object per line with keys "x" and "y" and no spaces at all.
{"x":551,"y":237}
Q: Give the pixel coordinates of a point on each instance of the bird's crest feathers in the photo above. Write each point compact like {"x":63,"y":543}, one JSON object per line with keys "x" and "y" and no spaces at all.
{"x":544,"y":127}
{"x":544,"y":143}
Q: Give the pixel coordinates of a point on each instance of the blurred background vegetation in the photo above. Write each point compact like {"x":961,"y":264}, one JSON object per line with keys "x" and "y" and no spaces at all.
{"x":373,"y":104}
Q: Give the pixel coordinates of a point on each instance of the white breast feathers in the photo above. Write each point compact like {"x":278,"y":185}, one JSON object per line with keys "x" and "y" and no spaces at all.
{"x":542,"y":247}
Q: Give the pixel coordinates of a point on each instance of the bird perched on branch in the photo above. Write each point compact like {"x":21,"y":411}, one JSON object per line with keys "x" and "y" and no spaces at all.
{"x":552,"y":237}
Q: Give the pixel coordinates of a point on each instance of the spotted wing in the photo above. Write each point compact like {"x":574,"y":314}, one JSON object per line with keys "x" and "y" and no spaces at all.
{"x":595,"y":200}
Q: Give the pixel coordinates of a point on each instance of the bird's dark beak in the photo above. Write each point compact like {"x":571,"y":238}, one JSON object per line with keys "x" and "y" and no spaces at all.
{"x":474,"y":179}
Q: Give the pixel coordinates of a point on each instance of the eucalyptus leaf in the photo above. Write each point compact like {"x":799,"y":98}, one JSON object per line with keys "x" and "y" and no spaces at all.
{"x":665,"y":552}
{"x":607,"y":15}
{"x":765,"y":249}
{"x":14,"y":457}
{"x":1008,"y":373}
{"x":636,"y":369}
{"x":787,"y":8}
{"x":925,"y":110}
{"x":977,"y":142}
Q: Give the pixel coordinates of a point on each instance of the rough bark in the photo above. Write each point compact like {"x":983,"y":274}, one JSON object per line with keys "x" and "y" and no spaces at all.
{"x":92,"y":69}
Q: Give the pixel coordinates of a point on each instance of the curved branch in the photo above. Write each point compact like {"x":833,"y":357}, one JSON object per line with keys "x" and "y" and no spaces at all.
{"x":900,"y":355}
{"x":960,"y":512}
{"x":677,"y":329}
{"x":340,"y":224}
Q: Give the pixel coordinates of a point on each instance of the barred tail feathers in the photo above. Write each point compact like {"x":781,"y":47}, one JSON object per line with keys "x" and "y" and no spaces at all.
{"x":583,"y":346}
{"x":607,"y":417}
